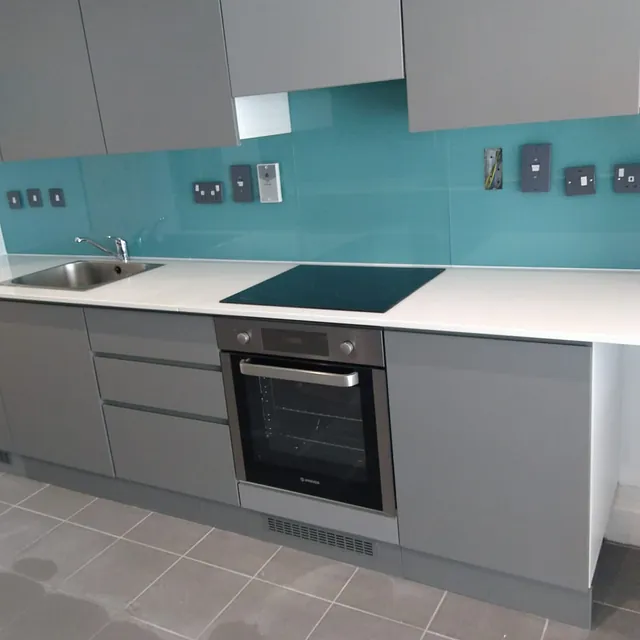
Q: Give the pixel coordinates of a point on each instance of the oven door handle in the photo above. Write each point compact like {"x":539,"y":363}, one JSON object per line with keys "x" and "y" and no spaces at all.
{"x":324,"y":378}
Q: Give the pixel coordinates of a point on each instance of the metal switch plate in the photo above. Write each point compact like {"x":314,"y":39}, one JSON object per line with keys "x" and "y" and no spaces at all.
{"x":242,"y":183}
{"x":56,"y":198}
{"x":269,"y":182}
{"x":207,"y":192}
{"x":34,"y":197}
{"x":536,"y":168}
{"x":626,"y":178}
{"x":14,"y":198}
{"x":580,"y":181}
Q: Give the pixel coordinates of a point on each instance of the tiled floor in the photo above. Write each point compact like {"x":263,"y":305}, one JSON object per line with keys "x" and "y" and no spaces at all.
{"x":73,"y":567}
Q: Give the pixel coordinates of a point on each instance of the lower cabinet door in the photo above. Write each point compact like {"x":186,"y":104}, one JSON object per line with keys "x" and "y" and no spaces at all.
{"x":183,"y":455}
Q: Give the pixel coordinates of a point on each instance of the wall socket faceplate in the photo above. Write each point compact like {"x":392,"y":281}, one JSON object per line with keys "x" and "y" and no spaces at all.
{"x":626,"y":178}
{"x":580,"y":181}
{"x":535,"y":168}
{"x":207,"y":192}
{"x":269,"y":182}
{"x":14,"y":198}
{"x":34,"y":197}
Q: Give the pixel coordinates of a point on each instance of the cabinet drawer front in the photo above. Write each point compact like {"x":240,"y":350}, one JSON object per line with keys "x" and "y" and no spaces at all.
{"x":179,"y":454}
{"x":180,"y":389}
{"x":148,"y":334}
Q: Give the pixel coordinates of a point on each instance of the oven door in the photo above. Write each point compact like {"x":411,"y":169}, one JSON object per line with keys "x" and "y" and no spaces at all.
{"x":312,"y":428}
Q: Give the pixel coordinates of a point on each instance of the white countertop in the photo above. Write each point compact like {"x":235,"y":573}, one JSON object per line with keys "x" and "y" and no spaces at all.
{"x":582,"y":306}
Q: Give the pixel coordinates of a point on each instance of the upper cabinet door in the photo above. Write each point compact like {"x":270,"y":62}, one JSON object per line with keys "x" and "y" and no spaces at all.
{"x":161,"y":74}
{"x":48,"y":104}
{"x":472,"y":63}
{"x":288,"y":45}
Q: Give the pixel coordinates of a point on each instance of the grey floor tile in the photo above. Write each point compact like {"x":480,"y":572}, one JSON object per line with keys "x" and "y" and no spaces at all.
{"x":233,"y":551}
{"x":468,"y":619}
{"x":346,"y":624}
{"x":267,"y":612}
{"x":168,"y":533}
{"x":110,"y":517}
{"x":305,"y":572}
{"x":13,"y":489}
{"x":608,"y":624}
{"x":187,"y":597}
{"x":133,"y":630}
{"x":394,"y":598}
{"x":59,"y":617}
{"x":118,"y":575}
{"x":18,"y":530}
{"x":57,"y":502}
{"x":17,"y":595}
{"x":617,"y":579}
{"x":59,"y":553}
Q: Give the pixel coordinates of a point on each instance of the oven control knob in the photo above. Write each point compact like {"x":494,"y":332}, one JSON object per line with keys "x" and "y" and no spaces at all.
{"x":347,"y":348}
{"x":243,"y":338}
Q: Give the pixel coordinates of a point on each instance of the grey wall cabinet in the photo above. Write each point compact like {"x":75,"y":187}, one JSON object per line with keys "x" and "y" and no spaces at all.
{"x":161,"y":75}
{"x":288,"y":45}
{"x":491,"y":443}
{"x":471,"y":63}
{"x":48,"y":104}
{"x":49,"y":386}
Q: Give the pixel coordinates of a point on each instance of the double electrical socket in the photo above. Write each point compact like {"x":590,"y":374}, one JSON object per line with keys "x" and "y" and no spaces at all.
{"x":207,"y":192}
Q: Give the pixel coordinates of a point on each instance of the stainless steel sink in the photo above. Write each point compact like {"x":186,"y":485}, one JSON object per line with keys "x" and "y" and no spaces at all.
{"x":82,"y":275}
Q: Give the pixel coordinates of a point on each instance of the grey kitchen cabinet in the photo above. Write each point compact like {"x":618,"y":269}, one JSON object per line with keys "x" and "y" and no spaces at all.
{"x":48,"y":105}
{"x":183,"y":455}
{"x":289,"y":45}
{"x":161,"y":75}
{"x":49,"y":386}
{"x":5,"y":434}
{"x":162,"y":386}
{"x":154,"y":335}
{"x":471,"y":63}
{"x":491,"y":444}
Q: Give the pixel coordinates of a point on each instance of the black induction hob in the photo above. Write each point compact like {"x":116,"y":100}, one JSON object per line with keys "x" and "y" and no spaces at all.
{"x":370,"y":289}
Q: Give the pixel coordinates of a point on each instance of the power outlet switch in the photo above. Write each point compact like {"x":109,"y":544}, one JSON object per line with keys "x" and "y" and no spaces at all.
{"x":269,"y":182}
{"x":626,"y":178}
{"x":34,"y":197}
{"x":241,"y":183}
{"x":536,"y":168}
{"x":14,"y":198}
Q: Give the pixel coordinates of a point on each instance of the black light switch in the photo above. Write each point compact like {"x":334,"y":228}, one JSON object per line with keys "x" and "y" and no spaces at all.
{"x":14,"y":198}
{"x":34,"y":197}
{"x":56,"y":198}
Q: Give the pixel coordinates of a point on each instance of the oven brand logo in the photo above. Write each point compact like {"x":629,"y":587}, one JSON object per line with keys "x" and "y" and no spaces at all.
{"x":308,"y":480}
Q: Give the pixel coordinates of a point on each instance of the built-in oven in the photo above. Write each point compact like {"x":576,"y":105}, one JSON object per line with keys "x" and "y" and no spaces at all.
{"x":308,"y":409}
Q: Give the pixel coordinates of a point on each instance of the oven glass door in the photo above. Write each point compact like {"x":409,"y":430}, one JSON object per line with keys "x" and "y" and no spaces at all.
{"x":309,"y":427}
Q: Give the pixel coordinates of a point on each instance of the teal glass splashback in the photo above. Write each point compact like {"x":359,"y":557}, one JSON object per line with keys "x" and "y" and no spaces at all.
{"x":357,"y":187}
